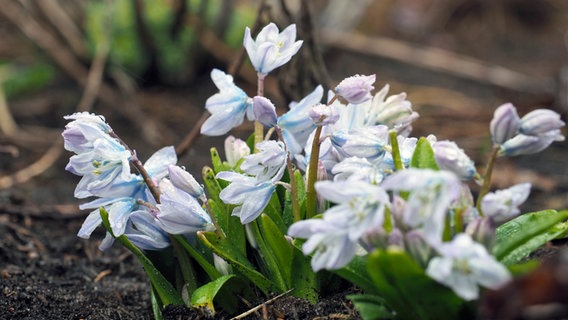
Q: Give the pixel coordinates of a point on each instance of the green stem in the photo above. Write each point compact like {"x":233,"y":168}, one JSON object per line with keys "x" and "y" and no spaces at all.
{"x":395,"y":151}
{"x":311,"y":197}
{"x":487,"y":178}
{"x":258,"y":127}
{"x":293,"y":187}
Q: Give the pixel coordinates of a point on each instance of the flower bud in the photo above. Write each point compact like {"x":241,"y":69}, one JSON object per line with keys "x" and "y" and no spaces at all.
{"x":504,"y":124}
{"x":356,"y":89}
{"x":183,"y":180}
{"x":482,"y":230}
{"x":264,"y":111}
{"x":396,"y":238}
{"x":221,"y":265}
{"x":417,"y":247}
{"x":323,"y":115}
{"x":523,"y":144}
{"x":235,"y":150}
{"x":452,"y":158}
{"x":540,"y":121}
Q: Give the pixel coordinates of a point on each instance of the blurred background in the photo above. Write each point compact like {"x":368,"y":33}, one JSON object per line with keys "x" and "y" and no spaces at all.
{"x":145,"y":64}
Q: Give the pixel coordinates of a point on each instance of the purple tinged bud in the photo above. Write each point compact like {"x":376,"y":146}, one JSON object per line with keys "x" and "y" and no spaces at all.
{"x":183,"y":180}
{"x":482,"y":230}
{"x":356,"y":89}
{"x":323,"y":115}
{"x":452,"y":158}
{"x":417,"y":247}
{"x":396,"y":238}
{"x":523,"y":144}
{"x":505,"y":123}
{"x":540,"y":121}
{"x":264,"y":111}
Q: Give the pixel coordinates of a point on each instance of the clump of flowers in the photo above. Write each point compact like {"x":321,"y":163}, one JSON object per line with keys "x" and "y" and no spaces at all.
{"x":335,"y":185}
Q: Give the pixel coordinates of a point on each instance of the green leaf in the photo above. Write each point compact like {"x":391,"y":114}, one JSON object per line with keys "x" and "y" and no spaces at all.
{"x":230,"y":225}
{"x":408,"y":290}
{"x":223,"y":248}
{"x":203,"y":296}
{"x":216,"y":161}
{"x":279,"y":249}
{"x":304,"y":280}
{"x":287,"y":214}
{"x":274,"y":211}
{"x":370,"y":307}
{"x":164,"y":289}
{"x":207,"y":267}
{"x":523,"y":250}
{"x":211,"y":183}
{"x":519,"y":232}
{"x":356,"y":273}
{"x":423,"y":156}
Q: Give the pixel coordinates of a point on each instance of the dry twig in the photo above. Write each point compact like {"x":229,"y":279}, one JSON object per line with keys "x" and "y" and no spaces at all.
{"x":262,"y":305}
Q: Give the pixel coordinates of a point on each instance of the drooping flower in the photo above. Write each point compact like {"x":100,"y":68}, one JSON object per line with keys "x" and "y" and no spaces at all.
{"x":356,"y":89}
{"x":355,"y":168}
{"x":505,"y":123}
{"x":85,"y":129}
{"x":452,"y":158}
{"x":144,"y":233}
{"x":250,"y":195}
{"x":504,"y":204}
{"x":235,"y":150}
{"x":464,"y":265}
{"x":522,"y":144}
{"x":183,"y":180}
{"x":118,"y":210}
{"x":365,"y":142}
{"x":271,"y":48}
{"x":264,"y":111}
{"x":179,"y":212}
{"x":430,"y":195}
{"x":227,"y":107}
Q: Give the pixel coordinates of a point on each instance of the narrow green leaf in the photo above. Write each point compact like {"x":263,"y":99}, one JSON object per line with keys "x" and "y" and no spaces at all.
{"x":237,"y":259}
{"x":230,"y":225}
{"x":423,"y":156}
{"x":274,"y":211}
{"x":211,"y":183}
{"x":207,"y":267}
{"x":370,"y":307}
{"x":408,"y":290}
{"x":523,"y":250}
{"x":513,"y":234}
{"x":156,"y":305}
{"x":164,"y":289}
{"x":216,"y":161}
{"x":304,"y":280}
{"x":203,"y":296}
{"x":279,"y":248}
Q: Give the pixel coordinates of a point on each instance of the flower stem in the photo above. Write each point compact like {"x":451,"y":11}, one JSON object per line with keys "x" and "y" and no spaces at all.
{"x":293,"y":187}
{"x":258,"y":127}
{"x":487,"y":178}
{"x":140,"y":167}
{"x":311,"y":197}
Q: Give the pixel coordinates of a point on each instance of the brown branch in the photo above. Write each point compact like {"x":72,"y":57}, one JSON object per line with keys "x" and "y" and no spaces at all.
{"x":438,"y":60}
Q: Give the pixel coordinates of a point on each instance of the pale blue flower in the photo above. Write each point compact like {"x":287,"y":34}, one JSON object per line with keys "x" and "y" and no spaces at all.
{"x":250,"y":195}
{"x":366,"y":142}
{"x":264,"y":111}
{"x":271,"y":48}
{"x":430,"y":195}
{"x":356,"y":89}
{"x":227,"y":107}
{"x":118,"y":210}
{"x":183,"y":180}
{"x":296,"y":124}
{"x":144,"y":233}
{"x":464,"y":265}
{"x":504,"y":204}
{"x":330,"y":244}
{"x":235,"y":150}
{"x":268,"y":163}
{"x":179,"y":212}
{"x":355,"y":168}
{"x":505,"y":123}
{"x":452,"y":158}
{"x":85,"y":128}
{"x":334,"y":239}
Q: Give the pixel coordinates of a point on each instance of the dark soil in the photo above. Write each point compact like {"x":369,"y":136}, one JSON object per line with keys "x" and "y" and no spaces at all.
{"x":46,"y":272}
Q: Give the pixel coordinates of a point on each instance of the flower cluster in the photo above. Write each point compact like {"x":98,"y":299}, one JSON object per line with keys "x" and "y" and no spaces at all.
{"x":343,"y":181}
